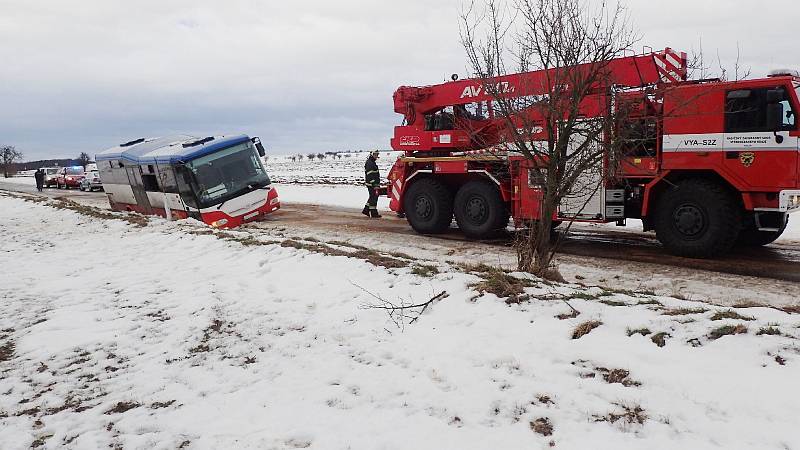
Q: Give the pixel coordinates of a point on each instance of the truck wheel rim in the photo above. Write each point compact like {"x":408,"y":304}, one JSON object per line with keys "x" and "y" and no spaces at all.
{"x":423,"y":207}
{"x":475,"y":210}
{"x":689,"y":220}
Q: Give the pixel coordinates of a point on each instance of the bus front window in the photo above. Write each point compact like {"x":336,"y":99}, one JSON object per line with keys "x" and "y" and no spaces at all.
{"x":228,"y":173}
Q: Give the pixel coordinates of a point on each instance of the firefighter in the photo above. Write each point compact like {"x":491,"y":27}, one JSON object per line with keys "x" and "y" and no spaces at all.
{"x":372,"y":179}
{"x":39,"y":176}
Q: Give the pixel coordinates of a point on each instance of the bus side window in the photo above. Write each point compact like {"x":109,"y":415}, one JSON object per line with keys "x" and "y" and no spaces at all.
{"x":167,"y":178}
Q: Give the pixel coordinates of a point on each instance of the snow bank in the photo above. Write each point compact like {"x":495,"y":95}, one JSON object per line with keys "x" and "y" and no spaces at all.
{"x":164,"y":336}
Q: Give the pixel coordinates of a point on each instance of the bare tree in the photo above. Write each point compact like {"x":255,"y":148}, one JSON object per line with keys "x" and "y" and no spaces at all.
{"x":572,"y":43}
{"x":311,"y":156}
{"x":320,"y":156}
{"x":84,"y":159}
{"x":8,"y":156}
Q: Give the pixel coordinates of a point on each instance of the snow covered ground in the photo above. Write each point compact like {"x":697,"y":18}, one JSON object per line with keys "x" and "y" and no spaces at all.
{"x":140,"y":333}
{"x":347,"y":170}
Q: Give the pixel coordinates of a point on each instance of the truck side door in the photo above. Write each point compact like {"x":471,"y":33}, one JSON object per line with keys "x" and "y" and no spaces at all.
{"x":760,"y":149}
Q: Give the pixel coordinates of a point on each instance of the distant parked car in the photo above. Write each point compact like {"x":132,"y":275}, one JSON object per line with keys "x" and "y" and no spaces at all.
{"x":69,"y":177}
{"x":91,"y":181}
{"x":51,"y":176}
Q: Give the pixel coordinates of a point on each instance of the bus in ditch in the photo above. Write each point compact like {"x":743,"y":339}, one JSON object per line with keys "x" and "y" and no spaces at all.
{"x":219,"y":180}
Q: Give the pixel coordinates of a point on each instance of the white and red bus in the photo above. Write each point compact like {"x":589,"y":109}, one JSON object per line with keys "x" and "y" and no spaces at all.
{"x":219,"y":180}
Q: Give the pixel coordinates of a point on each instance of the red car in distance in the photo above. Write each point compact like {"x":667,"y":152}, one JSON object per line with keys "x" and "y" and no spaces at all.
{"x":69,"y":177}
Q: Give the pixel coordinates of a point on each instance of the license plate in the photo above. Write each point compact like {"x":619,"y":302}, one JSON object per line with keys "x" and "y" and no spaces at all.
{"x":250,"y":215}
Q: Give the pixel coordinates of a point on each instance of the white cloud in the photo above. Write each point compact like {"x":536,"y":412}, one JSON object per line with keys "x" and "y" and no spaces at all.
{"x":307,"y":74}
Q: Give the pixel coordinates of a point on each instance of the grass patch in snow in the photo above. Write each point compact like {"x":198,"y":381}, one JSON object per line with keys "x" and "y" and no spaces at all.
{"x":7,"y":351}
{"x":683,"y":311}
{"x":503,"y":285}
{"x":159,"y":405}
{"x":726,"y":330}
{"x":570,"y":315}
{"x":660,"y":339}
{"x":649,"y":301}
{"x":613,"y":302}
{"x":122,"y":407}
{"x":729,"y":314}
{"x":585,"y":328}
{"x":247,"y":241}
{"x":90,"y":211}
{"x":643,"y":331}
{"x":542,"y":426}
{"x":583,"y":295}
{"x":620,"y":376}
{"x":480,"y":268}
{"x":348,"y":244}
{"x":769,"y":331}
{"x":371,"y":256}
{"x":628,"y":415}
{"x":424,"y":270}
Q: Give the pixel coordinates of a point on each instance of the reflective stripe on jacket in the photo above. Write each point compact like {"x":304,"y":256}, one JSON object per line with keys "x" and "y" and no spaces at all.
{"x":372,"y":177}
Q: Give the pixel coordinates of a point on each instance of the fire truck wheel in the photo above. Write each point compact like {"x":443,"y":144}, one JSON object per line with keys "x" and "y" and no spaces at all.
{"x":479,"y":209}
{"x":699,"y":219}
{"x":752,"y":237}
{"x":428,"y":205}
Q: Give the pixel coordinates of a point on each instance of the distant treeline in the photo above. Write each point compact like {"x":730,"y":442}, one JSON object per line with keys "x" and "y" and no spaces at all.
{"x":33,"y":165}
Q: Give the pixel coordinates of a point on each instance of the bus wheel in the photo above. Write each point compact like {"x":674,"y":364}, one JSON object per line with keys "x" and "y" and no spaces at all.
{"x":479,"y":209}
{"x":428,"y":205}
{"x":750,"y":236}
{"x":698,"y":219}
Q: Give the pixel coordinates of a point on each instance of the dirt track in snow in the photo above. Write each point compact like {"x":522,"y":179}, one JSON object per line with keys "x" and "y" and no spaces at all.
{"x":780,"y":262}
{"x":606,"y":249}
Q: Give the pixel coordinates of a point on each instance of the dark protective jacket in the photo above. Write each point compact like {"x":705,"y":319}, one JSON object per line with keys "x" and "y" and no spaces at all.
{"x":39,"y":176}
{"x":372,"y":177}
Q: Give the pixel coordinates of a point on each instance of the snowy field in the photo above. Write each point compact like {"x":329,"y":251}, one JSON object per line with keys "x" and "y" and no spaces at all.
{"x":125,"y":332}
{"x":345,"y":170}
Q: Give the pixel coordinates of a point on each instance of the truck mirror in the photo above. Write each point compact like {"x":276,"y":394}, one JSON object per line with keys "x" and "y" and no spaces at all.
{"x":259,"y":146}
{"x":775,"y":116}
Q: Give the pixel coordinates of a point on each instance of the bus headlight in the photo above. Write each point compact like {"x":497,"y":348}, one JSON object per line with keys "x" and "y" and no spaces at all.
{"x":219,"y":223}
{"x":789,"y":201}
{"x":794,"y":201}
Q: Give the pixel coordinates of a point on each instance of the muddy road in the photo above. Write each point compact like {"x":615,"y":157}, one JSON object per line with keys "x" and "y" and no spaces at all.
{"x":779,"y":261}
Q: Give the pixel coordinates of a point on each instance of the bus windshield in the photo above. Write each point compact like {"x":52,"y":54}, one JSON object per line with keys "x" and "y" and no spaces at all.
{"x":228,"y":173}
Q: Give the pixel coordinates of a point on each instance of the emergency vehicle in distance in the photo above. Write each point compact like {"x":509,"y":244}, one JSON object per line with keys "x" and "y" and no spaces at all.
{"x":710,"y":163}
{"x":218,"y":180}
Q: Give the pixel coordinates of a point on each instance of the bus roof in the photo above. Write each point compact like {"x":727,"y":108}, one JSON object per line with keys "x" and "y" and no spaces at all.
{"x":168,"y":149}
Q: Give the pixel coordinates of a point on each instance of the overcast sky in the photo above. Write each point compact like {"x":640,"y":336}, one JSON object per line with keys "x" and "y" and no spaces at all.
{"x":304,"y":75}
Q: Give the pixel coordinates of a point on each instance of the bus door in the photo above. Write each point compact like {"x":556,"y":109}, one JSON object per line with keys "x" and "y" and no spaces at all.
{"x":185,"y":184}
{"x":135,"y":180}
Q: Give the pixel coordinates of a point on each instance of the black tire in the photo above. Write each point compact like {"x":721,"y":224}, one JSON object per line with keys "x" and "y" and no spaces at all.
{"x":428,"y":205}
{"x":750,"y":236}
{"x":698,"y":219}
{"x":479,"y":209}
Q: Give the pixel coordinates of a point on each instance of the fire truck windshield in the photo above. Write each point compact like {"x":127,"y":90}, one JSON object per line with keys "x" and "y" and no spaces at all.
{"x":228,"y":173}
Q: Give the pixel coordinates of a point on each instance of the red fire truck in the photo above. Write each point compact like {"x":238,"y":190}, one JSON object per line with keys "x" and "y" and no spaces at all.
{"x":715,"y":163}
{"x":219,"y":180}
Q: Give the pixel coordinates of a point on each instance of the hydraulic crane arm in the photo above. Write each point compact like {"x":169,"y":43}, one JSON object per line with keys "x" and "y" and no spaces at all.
{"x":667,"y":66}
